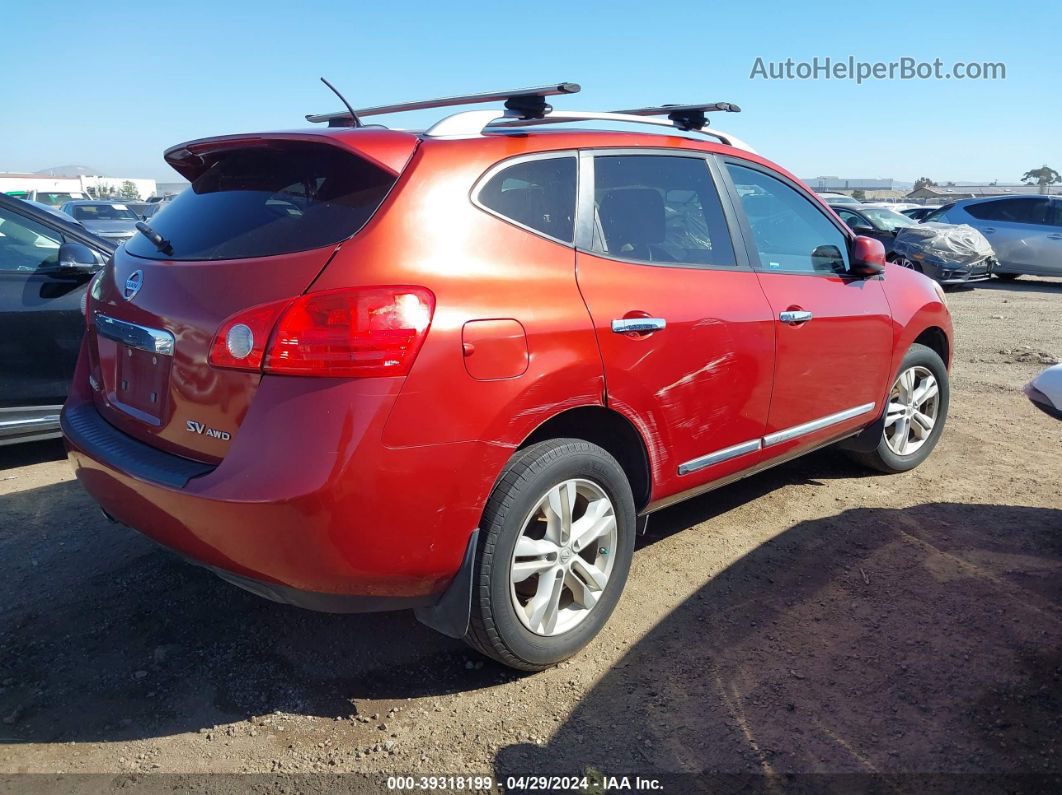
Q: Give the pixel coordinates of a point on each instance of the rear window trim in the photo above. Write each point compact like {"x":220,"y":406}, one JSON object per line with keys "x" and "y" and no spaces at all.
{"x":501,"y":165}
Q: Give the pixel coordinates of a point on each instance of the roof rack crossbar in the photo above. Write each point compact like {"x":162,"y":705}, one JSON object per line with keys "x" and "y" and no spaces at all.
{"x":529,"y":102}
{"x":686,"y":117}
{"x":475,"y":122}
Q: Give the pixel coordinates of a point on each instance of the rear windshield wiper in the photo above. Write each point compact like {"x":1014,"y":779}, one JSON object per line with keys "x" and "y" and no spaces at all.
{"x":161,"y":243}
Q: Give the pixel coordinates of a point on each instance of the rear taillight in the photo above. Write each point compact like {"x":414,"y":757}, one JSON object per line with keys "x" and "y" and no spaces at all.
{"x":356,"y":332}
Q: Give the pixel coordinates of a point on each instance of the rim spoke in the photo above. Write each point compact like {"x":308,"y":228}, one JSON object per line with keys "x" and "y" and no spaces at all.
{"x":926,"y":391}
{"x":525,"y":568}
{"x":581,"y":592}
{"x":922,"y":425}
{"x":598,"y":520}
{"x":894,"y":412}
{"x":903,"y":431}
{"x":589,"y":574}
{"x":561,"y":500}
{"x":546,"y":604}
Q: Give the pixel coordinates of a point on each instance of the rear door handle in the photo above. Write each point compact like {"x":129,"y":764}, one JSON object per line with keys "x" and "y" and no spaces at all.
{"x":794,"y":316}
{"x":628,"y":324}
{"x":1055,"y":237}
{"x":988,"y":230}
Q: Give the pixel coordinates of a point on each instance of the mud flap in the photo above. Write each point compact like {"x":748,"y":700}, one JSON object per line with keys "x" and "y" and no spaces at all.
{"x":868,"y":439}
{"x":451,"y":613}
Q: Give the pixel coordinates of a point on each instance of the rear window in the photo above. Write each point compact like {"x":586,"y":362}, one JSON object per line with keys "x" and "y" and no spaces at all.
{"x":264,"y":201}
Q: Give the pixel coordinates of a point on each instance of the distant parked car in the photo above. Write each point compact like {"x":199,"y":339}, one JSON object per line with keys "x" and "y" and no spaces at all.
{"x":897,"y":207}
{"x":46,"y":262}
{"x":877,"y":222}
{"x":51,"y":210}
{"x":919,"y":213}
{"x":111,"y":220}
{"x":839,"y":198}
{"x":1025,"y":231}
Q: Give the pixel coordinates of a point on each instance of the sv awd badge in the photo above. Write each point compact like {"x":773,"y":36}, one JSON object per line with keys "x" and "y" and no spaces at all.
{"x":202,"y":430}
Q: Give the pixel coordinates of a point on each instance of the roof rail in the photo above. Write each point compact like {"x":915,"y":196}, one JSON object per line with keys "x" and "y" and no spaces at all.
{"x":476,"y":122}
{"x":522,"y":102}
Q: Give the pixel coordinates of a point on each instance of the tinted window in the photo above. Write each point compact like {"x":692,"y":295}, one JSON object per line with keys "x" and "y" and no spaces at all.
{"x":790,"y":233}
{"x":26,"y":245}
{"x":1054,"y":216}
{"x":257,"y":202}
{"x":539,"y":194}
{"x":1021,"y":211}
{"x":103,"y":212}
{"x":659,"y":209}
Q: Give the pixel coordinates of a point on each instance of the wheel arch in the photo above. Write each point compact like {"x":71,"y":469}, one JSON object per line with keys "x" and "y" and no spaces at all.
{"x":609,"y":430}
{"x":936,"y":339}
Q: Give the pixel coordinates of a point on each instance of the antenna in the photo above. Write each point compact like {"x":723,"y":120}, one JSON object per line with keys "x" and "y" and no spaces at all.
{"x":341,"y":121}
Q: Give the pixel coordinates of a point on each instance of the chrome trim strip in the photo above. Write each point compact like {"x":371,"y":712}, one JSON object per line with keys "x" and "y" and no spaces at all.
{"x":725,"y":454}
{"x":50,"y":419}
{"x":786,"y":434}
{"x":140,"y":337}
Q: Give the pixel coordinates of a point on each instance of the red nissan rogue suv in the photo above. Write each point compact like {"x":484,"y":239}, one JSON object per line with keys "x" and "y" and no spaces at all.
{"x":353,"y":368}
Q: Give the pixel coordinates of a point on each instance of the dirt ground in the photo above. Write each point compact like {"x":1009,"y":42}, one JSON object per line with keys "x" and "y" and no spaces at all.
{"x":814,"y":618}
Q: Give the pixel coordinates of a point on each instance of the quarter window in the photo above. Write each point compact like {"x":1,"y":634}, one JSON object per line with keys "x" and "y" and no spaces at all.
{"x":790,"y":234}
{"x":659,"y":209}
{"x":25,"y":245}
{"x":538,"y":194}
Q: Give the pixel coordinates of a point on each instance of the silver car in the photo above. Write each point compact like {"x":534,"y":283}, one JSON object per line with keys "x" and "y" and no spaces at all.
{"x":1025,"y":231}
{"x":110,"y":219}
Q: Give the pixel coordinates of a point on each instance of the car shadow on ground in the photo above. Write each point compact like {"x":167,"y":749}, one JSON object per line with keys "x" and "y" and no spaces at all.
{"x":30,"y":453}
{"x":917,"y":640}
{"x":109,"y":636}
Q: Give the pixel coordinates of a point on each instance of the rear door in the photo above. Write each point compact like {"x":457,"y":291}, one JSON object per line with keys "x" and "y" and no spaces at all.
{"x":684,"y":330}
{"x":41,"y":323}
{"x":834,"y":330}
{"x":1018,"y":230}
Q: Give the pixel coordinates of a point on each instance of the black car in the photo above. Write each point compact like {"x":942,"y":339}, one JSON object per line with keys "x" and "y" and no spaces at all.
{"x":877,"y":222}
{"x":45,"y":266}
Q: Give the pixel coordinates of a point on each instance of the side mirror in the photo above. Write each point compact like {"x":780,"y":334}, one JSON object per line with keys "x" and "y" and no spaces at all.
{"x":868,"y":256}
{"x":79,"y":257}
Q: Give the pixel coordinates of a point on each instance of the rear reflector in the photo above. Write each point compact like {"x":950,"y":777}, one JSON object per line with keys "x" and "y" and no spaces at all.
{"x":354,"y":332}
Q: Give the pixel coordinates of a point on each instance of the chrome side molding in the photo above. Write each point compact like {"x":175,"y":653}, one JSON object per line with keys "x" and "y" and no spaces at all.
{"x":770,"y":439}
{"x":786,"y":434}
{"x":140,"y":337}
{"x":718,"y":456}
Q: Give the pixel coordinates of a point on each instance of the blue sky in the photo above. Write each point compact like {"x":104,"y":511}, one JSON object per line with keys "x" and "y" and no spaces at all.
{"x":112,"y":84}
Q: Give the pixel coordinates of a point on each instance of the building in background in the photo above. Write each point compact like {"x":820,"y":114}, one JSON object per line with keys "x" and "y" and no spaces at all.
{"x":865,"y":187}
{"x":63,"y":183}
{"x":954,"y":191}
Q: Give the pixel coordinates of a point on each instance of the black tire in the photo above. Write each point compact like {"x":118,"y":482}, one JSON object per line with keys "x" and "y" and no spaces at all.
{"x":1007,"y":277}
{"x":883,"y":458}
{"x":494,"y":628}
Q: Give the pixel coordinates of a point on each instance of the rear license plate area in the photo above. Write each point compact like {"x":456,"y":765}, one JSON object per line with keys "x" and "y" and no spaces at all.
{"x":142,"y":383}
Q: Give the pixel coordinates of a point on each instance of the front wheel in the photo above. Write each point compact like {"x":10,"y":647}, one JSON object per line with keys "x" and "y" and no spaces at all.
{"x":556,"y":543}
{"x":914,"y":415}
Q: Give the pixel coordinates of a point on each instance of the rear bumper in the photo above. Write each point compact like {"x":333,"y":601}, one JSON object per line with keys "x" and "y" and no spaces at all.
{"x":308,"y":507}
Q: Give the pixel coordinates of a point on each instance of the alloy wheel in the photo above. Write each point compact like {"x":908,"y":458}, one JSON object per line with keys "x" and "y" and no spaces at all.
{"x":914,"y":403}
{"x":563,"y":557}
